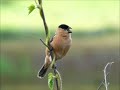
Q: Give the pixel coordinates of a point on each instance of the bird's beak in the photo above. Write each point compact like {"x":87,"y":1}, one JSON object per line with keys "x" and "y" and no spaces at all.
{"x":69,"y":31}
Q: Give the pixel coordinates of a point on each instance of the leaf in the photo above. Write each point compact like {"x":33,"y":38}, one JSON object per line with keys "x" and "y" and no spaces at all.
{"x":31,"y":8}
{"x":51,"y":81}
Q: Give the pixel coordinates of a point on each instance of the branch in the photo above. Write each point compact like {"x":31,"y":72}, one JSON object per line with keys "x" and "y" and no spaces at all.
{"x":104,"y":82}
{"x":36,"y":2}
{"x":60,"y":79}
{"x":44,"y":44}
{"x":44,"y":21}
{"x":105,"y":76}
{"x":47,"y":44}
{"x":43,"y":17}
{"x":40,"y":2}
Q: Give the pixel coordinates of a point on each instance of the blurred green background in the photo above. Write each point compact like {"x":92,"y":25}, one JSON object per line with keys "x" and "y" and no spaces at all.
{"x":95,"y":36}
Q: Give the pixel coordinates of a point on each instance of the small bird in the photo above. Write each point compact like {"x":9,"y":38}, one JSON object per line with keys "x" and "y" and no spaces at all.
{"x":60,"y":43}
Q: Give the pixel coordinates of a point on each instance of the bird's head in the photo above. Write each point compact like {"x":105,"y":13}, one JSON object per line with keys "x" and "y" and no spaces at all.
{"x":65,"y":28}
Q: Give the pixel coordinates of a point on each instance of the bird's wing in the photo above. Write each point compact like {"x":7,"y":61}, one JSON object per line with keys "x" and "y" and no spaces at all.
{"x":52,"y":39}
{"x":51,"y":42}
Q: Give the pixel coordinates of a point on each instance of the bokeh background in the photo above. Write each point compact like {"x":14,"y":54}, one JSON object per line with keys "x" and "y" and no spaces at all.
{"x":95,"y":36}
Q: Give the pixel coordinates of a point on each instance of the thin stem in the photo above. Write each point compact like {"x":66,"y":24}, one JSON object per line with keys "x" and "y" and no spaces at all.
{"x":56,"y":80}
{"x":105,"y":76}
{"x":36,"y":2}
{"x":47,"y":39}
{"x":44,"y":21}
{"x":60,"y":85}
{"x":102,"y":83}
{"x":40,"y":2}
{"x":106,"y":73}
{"x":44,"y":44}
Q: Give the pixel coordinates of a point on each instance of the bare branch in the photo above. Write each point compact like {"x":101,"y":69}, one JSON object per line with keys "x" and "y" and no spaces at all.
{"x":44,"y":44}
{"x":106,"y":73}
{"x":102,"y":83}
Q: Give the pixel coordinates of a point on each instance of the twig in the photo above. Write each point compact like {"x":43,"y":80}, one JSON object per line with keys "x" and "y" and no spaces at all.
{"x":105,"y":76}
{"x":40,"y":2}
{"x":56,"y":79}
{"x":44,"y":44}
{"x":43,"y":17}
{"x":104,"y":82}
{"x":35,"y":2}
{"x":60,"y":85}
{"x":47,"y":44}
{"x":53,"y":66}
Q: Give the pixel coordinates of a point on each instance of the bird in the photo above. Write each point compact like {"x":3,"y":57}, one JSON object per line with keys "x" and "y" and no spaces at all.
{"x":60,"y":43}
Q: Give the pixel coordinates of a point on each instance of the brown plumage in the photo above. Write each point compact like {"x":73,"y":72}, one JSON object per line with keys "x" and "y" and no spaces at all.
{"x":61,"y":43}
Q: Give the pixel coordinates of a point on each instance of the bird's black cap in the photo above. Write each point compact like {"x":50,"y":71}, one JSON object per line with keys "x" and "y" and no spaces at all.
{"x":64,"y":26}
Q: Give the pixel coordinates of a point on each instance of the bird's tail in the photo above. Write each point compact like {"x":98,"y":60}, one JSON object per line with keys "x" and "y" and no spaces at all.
{"x":42,"y":71}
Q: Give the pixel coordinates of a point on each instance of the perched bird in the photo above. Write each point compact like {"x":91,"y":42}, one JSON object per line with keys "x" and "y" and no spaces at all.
{"x":60,"y":43}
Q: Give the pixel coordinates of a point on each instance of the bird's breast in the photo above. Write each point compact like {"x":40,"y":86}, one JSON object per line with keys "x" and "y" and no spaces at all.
{"x":61,"y":46}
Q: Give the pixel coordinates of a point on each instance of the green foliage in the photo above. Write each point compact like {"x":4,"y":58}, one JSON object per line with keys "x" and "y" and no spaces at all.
{"x":5,"y":64}
{"x":51,"y":81}
{"x":31,"y":8}
{"x":24,"y":66}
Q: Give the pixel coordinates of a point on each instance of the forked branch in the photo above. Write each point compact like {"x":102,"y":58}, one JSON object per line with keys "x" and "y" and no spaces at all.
{"x":106,"y":74}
